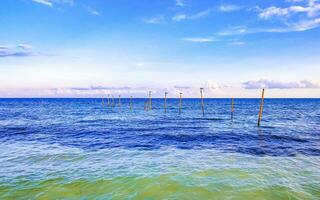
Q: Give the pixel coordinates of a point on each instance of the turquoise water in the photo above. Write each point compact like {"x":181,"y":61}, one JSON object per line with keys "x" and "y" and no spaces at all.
{"x":79,"y":149}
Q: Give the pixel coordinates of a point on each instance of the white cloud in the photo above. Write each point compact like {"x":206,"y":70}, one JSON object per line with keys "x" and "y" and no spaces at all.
{"x":302,"y":25}
{"x":94,"y":12}
{"x":179,"y":87}
{"x":278,"y":12}
{"x":24,"y":46}
{"x":295,"y":1}
{"x":273,"y":84}
{"x":44,"y":2}
{"x":212,"y":85}
{"x":302,"y":16}
{"x":236,"y":43}
{"x":228,"y":8}
{"x":199,"y":39}
{"x":306,"y":24}
{"x":311,"y":9}
{"x":200,"y":14}
{"x":180,"y":3}
{"x":50,"y":3}
{"x":155,"y":20}
{"x":20,"y":50}
{"x":238,"y":30}
{"x":181,"y":16}
{"x":273,"y":11}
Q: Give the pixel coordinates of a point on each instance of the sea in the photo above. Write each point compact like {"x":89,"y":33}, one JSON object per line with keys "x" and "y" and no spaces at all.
{"x":137,"y":149}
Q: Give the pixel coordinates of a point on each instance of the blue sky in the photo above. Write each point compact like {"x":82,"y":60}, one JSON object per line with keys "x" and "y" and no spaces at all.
{"x":90,"y":48}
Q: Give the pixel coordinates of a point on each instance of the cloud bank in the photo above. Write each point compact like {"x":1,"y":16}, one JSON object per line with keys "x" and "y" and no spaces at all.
{"x":20,"y":50}
{"x":273,"y":84}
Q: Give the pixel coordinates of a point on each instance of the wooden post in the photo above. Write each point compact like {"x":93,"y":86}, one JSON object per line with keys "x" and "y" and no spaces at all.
{"x":232,"y":108}
{"x":261,"y":108}
{"x":202,"y":102}
{"x":146,"y":105}
{"x":150,"y":101}
{"x":119,"y":100}
{"x":102,"y":102}
{"x":108,"y":100}
{"x":180,"y":104}
{"x":165,"y":101}
{"x":113,"y":104}
{"x":130,"y":103}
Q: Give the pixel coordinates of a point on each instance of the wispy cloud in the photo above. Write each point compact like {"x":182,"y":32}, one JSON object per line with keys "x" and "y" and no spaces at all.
{"x":181,"y":16}
{"x":213,"y":87}
{"x":273,"y":84}
{"x":100,"y":88}
{"x":295,"y":1}
{"x":152,"y":63}
{"x":180,"y":3}
{"x":24,"y":46}
{"x":44,"y":2}
{"x":305,"y":25}
{"x":20,"y":50}
{"x":302,"y":25}
{"x":199,"y":39}
{"x":237,"y":30}
{"x":294,"y":18}
{"x":311,"y":9}
{"x":94,"y":12}
{"x":179,"y":87}
{"x":229,"y":8}
{"x":160,"y":19}
{"x":236,"y":43}
{"x":279,"y":12}
{"x":50,"y":3}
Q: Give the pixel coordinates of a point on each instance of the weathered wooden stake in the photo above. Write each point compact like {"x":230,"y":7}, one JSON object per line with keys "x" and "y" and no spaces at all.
{"x":113,"y":104}
{"x":202,"y":102}
{"x":150,"y":101}
{"x":119,"y":101}
{"x":131,"y":103}
{"x":102,"y":101}
{"x":232,"y":108}
{"x":165,"y":101}
{"x":261,"y":108}
{"x":146,"y":105}
{"x":180,"y":104}
{"x":108,"y":100}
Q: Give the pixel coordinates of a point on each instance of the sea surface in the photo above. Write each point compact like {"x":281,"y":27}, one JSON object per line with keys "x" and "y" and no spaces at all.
{"x":85,"y":149}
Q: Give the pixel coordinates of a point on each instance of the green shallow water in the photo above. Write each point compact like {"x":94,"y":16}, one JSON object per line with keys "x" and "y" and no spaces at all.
{"x":210,"y":184}
{"x":32,"y":171}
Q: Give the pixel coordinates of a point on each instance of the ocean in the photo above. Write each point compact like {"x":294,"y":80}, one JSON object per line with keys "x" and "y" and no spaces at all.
{"x":85,"y":149}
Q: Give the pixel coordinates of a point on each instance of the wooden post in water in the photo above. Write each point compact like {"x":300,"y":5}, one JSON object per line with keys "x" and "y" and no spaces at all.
{"x":119,"y":100}
{"x":150,"y":101}
{"x":146,"y":105}
{"x":165,"y":101}
{"x":202,"y":102}
{"x":113,"y":104}
{"x":130,"y":103}
{"x":180,"y":104}
{"x":232,"y":108}
{"x":102,"y":101}
{"x":108,"y":100}
{"x":261,"y":108}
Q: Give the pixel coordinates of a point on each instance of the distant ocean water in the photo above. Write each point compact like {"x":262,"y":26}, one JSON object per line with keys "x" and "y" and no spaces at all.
{"x":80,"y":149}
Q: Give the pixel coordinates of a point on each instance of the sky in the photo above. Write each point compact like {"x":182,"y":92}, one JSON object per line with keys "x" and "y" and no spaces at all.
{"x":92,"y":48}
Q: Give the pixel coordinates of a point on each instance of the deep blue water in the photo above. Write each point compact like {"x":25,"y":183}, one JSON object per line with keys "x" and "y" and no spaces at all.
{"x":289,"y":126}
